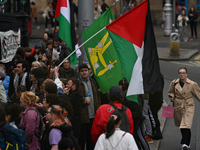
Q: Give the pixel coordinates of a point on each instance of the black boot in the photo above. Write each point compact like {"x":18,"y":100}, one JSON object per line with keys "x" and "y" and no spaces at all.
{"x":157,"y":135}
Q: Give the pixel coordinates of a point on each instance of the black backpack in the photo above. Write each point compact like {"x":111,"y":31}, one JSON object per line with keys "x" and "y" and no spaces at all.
{"x":41,"y":126}
{"x":125,"y":125}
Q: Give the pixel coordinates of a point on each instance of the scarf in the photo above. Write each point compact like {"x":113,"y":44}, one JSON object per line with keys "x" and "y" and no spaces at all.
{"x":16,"y":80}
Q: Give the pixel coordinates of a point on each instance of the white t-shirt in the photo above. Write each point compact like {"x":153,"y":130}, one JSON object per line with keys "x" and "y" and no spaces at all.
{"x":116,"y":141}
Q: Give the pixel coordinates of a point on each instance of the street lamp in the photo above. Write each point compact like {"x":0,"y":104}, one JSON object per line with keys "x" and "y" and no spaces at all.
{"x":168,"y":18}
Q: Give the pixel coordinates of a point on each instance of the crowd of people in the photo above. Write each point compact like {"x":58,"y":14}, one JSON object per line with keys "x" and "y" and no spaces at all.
{"x":66,"y":104}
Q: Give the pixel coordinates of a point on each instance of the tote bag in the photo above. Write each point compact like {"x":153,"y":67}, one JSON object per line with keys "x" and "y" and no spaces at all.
{"x":168,"y":112}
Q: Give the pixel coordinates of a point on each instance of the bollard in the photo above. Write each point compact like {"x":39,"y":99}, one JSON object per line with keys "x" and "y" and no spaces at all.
{"x":174,"y":44}
{"x":168,"y":18}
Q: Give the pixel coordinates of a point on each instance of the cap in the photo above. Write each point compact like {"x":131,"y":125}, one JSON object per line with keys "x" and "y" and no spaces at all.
{"x":82,"y":66}
{"x":115,"y":90}
{"x":2,"y":74}
{"x":37,"y":46}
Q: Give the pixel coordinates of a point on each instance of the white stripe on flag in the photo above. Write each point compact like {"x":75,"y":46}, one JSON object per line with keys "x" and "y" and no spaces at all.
{"x":136,"y":82}
{"x":65,"y":11}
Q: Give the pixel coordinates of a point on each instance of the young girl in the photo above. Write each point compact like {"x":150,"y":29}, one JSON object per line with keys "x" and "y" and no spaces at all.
{"x":182,"y":18}
{"x":114,"y":138}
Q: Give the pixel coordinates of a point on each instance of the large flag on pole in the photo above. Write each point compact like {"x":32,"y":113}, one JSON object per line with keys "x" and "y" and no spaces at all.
{"x":64,"y":15}
{"x":101,"y":53}
{"x":134,"y":40}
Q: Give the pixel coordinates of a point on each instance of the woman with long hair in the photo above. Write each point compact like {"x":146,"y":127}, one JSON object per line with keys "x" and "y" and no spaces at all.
{"x":193,"y":21}
{"x":114,"y":138}
{"x":182,"y":18}
{"x":181,"y":92}
{"x":30,"y":120}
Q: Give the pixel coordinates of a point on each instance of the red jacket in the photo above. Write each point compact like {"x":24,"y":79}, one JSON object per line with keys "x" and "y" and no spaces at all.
{"x":101,"y":118}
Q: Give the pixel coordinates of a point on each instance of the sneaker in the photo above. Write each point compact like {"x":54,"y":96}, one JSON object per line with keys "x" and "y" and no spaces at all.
{"x":185,"y":40}
{"x":176,"y":30}
{"x":46,"y":29}
{"x":38,"y":27}
{"x":184,"y":147}
{"x":191,"y":39}
{"x":148,"y":139}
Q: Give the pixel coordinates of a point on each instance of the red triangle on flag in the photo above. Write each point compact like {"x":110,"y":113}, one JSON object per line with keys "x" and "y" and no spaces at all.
{"x":60,"y":3}
{"x":131,"y":25}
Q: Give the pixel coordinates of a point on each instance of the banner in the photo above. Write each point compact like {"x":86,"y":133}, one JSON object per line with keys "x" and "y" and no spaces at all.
{"x":9,"y":42}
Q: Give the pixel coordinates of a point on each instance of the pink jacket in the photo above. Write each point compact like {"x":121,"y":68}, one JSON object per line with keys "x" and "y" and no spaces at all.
{"x":31,"y":128}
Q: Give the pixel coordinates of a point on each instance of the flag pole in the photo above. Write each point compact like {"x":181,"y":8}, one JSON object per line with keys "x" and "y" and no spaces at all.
{"x":81,"y":45}
{"x":86,"y":40}
{"x":52,"y":48}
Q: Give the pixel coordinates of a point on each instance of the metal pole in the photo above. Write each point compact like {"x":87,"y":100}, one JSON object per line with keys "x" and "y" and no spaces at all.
{"x":174,"y":15}
{"x":85,"y":19}
{"x":168,"y":18}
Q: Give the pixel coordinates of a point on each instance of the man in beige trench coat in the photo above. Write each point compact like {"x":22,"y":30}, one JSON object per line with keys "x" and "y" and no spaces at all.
{"x":181,"y":92}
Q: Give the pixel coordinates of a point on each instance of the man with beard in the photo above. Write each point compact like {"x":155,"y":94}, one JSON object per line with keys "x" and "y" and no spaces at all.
{"x":75,"y":98}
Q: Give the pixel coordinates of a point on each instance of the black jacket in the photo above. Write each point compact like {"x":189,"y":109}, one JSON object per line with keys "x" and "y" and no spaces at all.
{"x":75,"y":98}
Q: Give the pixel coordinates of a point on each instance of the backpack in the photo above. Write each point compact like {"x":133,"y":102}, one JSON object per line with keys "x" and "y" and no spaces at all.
{"x":15,"y":139}
{"x":41,"y":125}
{"x":125,"y":125}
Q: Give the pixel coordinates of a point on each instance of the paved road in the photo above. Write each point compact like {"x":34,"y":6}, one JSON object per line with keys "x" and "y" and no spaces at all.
{"x":171,"y":134}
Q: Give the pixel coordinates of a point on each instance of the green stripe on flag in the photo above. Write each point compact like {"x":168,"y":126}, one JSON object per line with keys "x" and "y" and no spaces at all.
{"x":65,"y":35}
{"x":127,"y":56}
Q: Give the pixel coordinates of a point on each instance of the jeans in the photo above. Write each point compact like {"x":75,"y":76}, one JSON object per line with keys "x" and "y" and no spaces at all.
{"x":36,"y":21}
{"x":183,"y":32}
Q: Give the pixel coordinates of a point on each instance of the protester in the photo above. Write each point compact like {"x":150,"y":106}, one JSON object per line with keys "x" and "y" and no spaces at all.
{"x":104,"y":112}
{"x":29,"y":58}
{"x":182,"y":18}
{"x":45,"y":58}
{"x":6,"y":81}
{"x":21,"y":52}
{"x":75,"y":98}
{"x":66,"y":144}
{"x":3,"y":99}
{"x":59,"y":127}
{"x":43,"y":42}
{"x":51,"y":99}
{"x":193,"y":16}
{"x":13,"y":112}
{"x":136,"y":110}
{"x":36,"y":52}
{"x":35,"y":64}
{"x":90,"y":104}
{"x":155,"y":103}
{"x":114,"y":138}
{"x":15,"y":98}
{"x":30,"y":120}
{"x":66,"y":71}
{"x":55,"y":55}
{"x":181,"y":92}
{"x":21,"y":77}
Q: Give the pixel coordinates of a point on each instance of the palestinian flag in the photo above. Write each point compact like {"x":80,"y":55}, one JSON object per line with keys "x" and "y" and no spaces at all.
{"x":101,"y":53}
{"x":65,"y":16}
{"x":134,"y":40}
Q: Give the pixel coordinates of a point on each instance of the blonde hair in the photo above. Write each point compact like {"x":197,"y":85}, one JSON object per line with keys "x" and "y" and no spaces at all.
{"x":30,"y":97}
{"x":36,"y":63}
